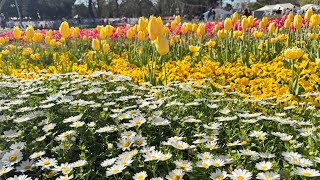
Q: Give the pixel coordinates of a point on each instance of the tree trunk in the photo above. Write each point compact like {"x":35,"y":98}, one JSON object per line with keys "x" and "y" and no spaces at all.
{"x":90,"y":9}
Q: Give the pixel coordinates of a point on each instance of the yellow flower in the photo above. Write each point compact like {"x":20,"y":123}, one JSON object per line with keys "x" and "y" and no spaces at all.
{"x":130,"y":33}
{"x":293,"y":53}
{"x":95,"y":44}
{"x":162,"y":45}
{"x":141,"y":35}
{"x":244,"y":23}
{"x":222,"y":34}
{"x":297,"y":22}
{"x":119,"y":31}
{"x":272,"y":27}
{"x":290,"y":16}
{"x":47,"y":40}
{"x":154,"y":27}
{"x":314,"y":21}
{"x":75,"y":32}
{"x":177,"y":19}
{"x":200,"y":30}
{"x":143,"y":23}
{"x":227,"y":24}
{"x":313,"y":36}
{"x":29,"y":31}
{"x":35,"y":56}
{"x":109,"y":30}
{"x":194,"y":50}
{"x":250,"y":20}
{"x":16,"y":32}
{"x":106,"y":47}
{"x":37,"y":37}
{"x":173,"y":25}
{"x":103,"y":33}
{"x":184,"y":29}
{"x":235,"y":17}
{"x":210,"y":43}
{"x":64,"y":29}
{"x":308,"y":14}
{"x":2,"y":40}
{"x":257,"y":34}
{"x":287,"y":23}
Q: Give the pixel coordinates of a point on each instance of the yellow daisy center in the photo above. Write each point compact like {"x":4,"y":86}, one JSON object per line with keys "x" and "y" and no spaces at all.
{"x":126,"y":144}
{"x":216,"y":164}
{"x":240,"y":178}
{"x":12,"y":158}
{"x":219,"y":177}
{"x":175,"y":177}
{"x":140,"y":177}
{"x":138,"y":142}
{"x":264,"y":168}
{"x":46,"y":163}
{"x":204,"y":164}
{"x":306,"y":174}
{"x":115,"y":171}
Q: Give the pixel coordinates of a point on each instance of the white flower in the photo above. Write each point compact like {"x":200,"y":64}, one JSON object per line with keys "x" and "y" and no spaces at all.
{"x":46,"y":163}
{"x":211,"y":145}
{"x":268,"y":176}
{"x":166,"y":157}
{"x":180,"y":145}
{"x":124,"y":161}
{"x":37,"y":154}
{"x":294,"y":155}
{"x":240,"y":174}
{"x":125,"y":144}
{"x":205,"y":163}
{"x":317,"y":159}
{"x":183,"y":164}
{"x":205,"y":156}
{"x":307,"y":172}
{"x":218,"y":162}
{"x":176,"y":174}
{"x":25,"y":166}
{"x":138,"y":121}
{"x":65,"y":177}
{"x":140,"y":175}
{"x":303,"y":162}
{"x":248,"y":152}
{"x":20,"y":177}
{"x":153,"y":155}
{"x":139,"y":141}
{"x":73,"y":118}
{"x":48,"y":127}
{"x":235,"y":143}
{"x":108,"y":162}
{"x":116,"y":169}
{"x":79,"y":163}
{"x":108,"y":129}
{"x":5,"y":170}
{"x":18,"y":146}
{"x":64,"y":168}
{"x":264,"y":166}
{"x":218,"y":175}
{"x":12,"y":157}
{"x":77,"y":124}
{"x":267,"y":155}
{"x":225,"y":111}
{"x":258,"y":134}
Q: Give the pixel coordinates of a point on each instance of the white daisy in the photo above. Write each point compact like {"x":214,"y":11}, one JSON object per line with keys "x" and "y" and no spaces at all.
{"x":218,"y":163}
{"x":47,"y":163}
{"x":238,"y":174}
{"x":268,"y":176}
{"x":140,"y":175}
{"x":37,"y":154}
{"x":65,"y":177}
{"x":124,"y":161}
{"x":25,"y":166}
{"x":20,"y":177}
{"x":264,"y":166}
{"x":18,"y":146}
{"x":116,"y":169}
{"x":307,"y":172}
{"x":183,"y":164}
{"x":79,"y":163}
{"x":218,"y":175}
{"x":176,"y":174}
{"x":153,"y":155}
{"x":108,"y":162}
{"x":205,"y":163}
{"x":12,"y":157}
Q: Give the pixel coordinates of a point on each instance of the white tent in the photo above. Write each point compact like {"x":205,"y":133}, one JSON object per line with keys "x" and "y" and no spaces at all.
{"x":266,"y":8}
{"x":283,"y":6}
{"x":221,"y":13}
{"x":308,"y":6}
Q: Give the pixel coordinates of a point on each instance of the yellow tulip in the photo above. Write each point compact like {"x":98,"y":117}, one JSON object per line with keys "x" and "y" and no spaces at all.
{"x":250,"y":20}
{"x":290,"y":16}
{"x":119,"y":31}
{"x":162,"y":45}
{"x":293,"y":53}
{"x":143,"y":23}
{"x":154,"y":27}
{"x":64,"y":29}
{"x":37,"y":37}
{"x":200,"y":30}
{"x":103,"y":33}
{"x":194,"y":50}
{"x":297,"y":22}
{"x":53,"y":42}
{"x":177,"y":19}
{"x":2,"y":40}
{"x":244,"y":23}
{"x":173,"y":25}
{"x":49,"y":33}
{"x":227,"y":24}
{"x":16,"y":32}
{"x":308,"y":14}
{"x":75,"y":32}
{"x":222,"y":34}
{"x":29,"y":31}
{"x":235,"y":17}
{"x":95,"y":44}
{"x":85,"y":38}
{"x":257,"y":34}
{"x":313,"y":36}
{"x":184,"y":29}
{"x":109,"y":30}
{"x":47,"y":40}
{"x":216,"y":28}
{"x":130,"y":33}
{"x":210,"y":43}
{"x":314,"y":21}
{"x":141,"y":35}
{"x":287,"y":23}
{"x":106,"y":47}
{"x":272,"y":27}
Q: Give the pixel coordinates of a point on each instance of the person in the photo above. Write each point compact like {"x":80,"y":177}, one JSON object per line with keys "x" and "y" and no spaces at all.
{"x":246,"y":12}
{"x":3,"y":21}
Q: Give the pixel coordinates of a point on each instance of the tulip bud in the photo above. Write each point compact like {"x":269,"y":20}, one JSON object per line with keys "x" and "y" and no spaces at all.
{"x":235,"y":17}
{"x":222,"y":34}
{"x":2,"y":40}
{"x":244,"y":23}
{"x":200,"y":30}
{"x":109,"y":30}
{"x":184,"y":29}
{"x":29,"y":32}
{"x":47,"y":40}
{"x":308,"y":14}
{"x":154,"y":27}
{"x":177,"y":19}
{"x":250,"y":20}
{"x":64,"y":29}
{"x":272,"y":27}
{"x":16,"y":32}
{"x":173,"y":25}
{"x":287,"y":23}
{"x":162,"y":45}
{"x":37,"y":37}
{"x":119,"y":31}
{"x":141,"y":35}
{"x":227,"y":24}
{"x":290,"y":16}
{"x":103,"y":33}
{"x":297,"y":22}
{"x":95,"y":44}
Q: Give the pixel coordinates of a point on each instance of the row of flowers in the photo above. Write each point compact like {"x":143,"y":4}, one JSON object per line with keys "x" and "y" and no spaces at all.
{"x":103,"y":126}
